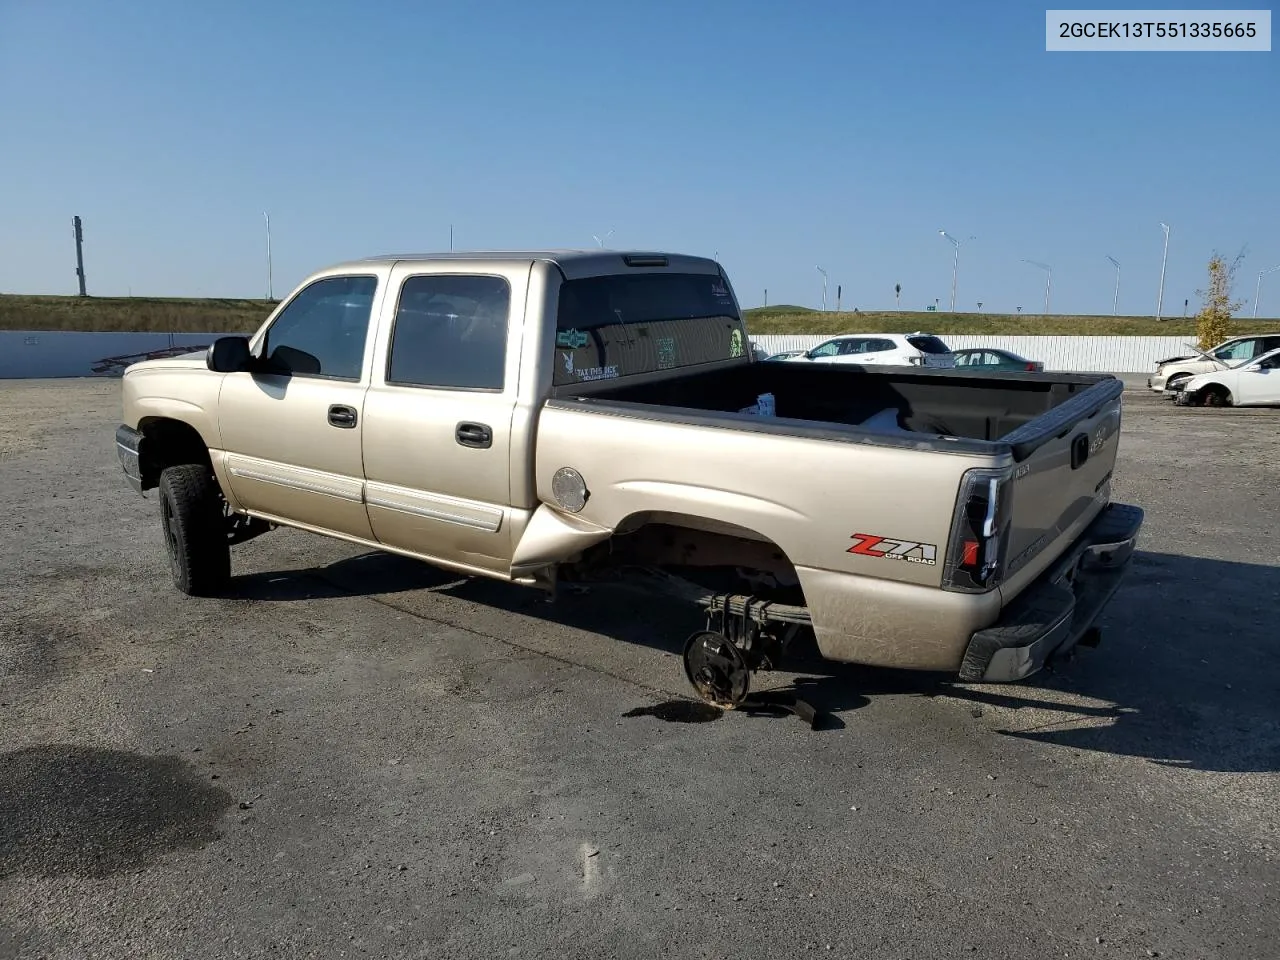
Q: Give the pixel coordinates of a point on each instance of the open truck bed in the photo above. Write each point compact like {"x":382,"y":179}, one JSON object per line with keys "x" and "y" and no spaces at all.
{"x":976,"y":482}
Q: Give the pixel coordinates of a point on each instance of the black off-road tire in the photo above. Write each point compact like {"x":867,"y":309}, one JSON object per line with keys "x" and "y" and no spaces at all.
{"x":195,"y":532}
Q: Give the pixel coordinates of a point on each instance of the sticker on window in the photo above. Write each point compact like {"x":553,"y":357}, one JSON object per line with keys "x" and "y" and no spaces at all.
{"x":571,"y":339}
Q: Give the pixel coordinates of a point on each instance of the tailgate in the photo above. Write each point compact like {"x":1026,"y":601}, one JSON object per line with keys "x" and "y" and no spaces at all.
{"x":1063,"y":463}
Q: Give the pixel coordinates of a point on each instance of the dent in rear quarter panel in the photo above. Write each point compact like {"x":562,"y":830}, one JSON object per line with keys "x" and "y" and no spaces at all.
{"x":808,"y":496}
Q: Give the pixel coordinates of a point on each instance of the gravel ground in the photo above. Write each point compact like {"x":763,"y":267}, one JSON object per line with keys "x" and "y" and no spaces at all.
{"x":360,"y":756}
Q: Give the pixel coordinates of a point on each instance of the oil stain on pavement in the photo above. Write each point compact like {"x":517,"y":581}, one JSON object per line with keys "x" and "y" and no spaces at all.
{"x":72,"y":810}
{"x":679,"y":711}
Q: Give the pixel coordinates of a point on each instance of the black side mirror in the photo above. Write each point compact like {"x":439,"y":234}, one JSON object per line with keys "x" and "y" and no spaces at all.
{"x":228,"y":355}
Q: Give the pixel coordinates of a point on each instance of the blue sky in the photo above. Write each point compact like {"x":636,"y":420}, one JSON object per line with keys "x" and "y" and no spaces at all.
{"x":780,"y":136}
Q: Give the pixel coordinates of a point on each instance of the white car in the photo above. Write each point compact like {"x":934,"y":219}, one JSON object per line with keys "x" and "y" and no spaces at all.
{"x":1172,"y":373}
{"x":1252,"y":384}
{"x":890,"y":349}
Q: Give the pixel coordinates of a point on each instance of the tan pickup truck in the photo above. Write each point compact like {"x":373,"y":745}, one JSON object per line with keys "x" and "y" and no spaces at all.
{"x":553,"y":417}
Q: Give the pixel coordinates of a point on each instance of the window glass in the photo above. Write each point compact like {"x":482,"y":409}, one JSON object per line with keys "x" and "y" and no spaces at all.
{"x":623,"y":324}
{"x":322,"y":332}
{"x":853,"y":346}
{"x":828,"y":349}
{"x":927,"y":344}
{"x":451,"y":331}
{"x":880,"y":346}
{"x":1241,"y":350}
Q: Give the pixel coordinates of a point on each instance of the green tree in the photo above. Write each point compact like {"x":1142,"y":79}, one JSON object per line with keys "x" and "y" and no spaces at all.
{"x":1213,"y":322}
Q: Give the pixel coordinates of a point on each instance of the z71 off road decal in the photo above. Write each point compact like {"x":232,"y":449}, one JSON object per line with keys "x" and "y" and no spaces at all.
{"x":887,"y":548}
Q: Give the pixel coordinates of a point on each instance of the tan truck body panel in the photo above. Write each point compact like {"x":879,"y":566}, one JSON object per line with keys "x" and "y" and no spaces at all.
{"x":398,"y":481}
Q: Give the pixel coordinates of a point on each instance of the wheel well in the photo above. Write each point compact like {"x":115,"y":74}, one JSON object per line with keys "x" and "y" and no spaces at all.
{"x":720,"y":555}
{"x":168,"y":443}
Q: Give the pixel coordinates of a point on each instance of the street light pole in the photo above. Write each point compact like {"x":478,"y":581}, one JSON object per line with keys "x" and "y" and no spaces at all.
{"x":600,"y":241}
{"x":1163,"y":260}
{"x":824,"y":289}
{"x":271,"y":290}
{"x":1116,"y":299}
{"x":1048,"y":284}
{"x":1258,"y":293}
{"x":955,"y":263}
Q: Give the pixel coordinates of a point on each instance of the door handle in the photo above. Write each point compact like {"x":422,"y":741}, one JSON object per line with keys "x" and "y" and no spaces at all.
{"x":343,"y":416}
{"x":476,"y":435}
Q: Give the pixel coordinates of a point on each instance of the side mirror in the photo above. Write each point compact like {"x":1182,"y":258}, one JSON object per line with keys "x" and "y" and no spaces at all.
{"x":228,"y":355}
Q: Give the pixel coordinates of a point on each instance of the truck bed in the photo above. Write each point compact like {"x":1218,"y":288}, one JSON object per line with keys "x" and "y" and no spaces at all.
{"x":947,"y":405}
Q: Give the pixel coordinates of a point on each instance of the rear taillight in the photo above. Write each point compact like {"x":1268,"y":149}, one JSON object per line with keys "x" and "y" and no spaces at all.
{"x":1033,"y":367}
{"x":980,"y":531}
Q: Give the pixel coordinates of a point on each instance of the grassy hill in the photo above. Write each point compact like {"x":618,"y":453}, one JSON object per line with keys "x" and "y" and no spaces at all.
{"x":178,"y":315}
{"x":785,"y":320}
{"x":132,"y":314}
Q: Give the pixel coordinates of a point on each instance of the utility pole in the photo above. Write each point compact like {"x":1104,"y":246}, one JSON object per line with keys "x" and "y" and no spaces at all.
{"x":271,"y":287}
{"x":955,"y":263}
{"x":838,"y":289}
{"x":1257,"y":293}
{"x":766,"y":296}
{"x":451,"y":238}
{"x":79,"y":234}
{"x":897,"y":296}
{"x":1163,"y":260}
{"x":1115,"y":300}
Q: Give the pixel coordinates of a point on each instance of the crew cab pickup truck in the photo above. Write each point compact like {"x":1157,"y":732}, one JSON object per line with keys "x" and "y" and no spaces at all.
{"x":553,"y":417}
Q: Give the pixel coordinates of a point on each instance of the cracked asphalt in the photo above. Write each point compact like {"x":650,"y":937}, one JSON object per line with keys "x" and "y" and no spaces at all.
{"x":358,"y":756}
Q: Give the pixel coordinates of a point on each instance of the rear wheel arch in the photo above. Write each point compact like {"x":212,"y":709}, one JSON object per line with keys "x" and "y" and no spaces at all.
{"x":688,"y":541}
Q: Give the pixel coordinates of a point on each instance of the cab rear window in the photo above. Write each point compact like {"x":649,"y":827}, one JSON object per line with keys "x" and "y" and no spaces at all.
{"x":928,"y":344}
{"x":626,"y":324}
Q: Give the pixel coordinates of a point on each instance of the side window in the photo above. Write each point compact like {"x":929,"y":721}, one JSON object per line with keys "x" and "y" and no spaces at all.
{"x":853,"y":346}
{"x":322,"y":332}
{"x":451,"y":332}
{"x":881,"y":346}
{"x":828,"y":349}
{"x":1240,"y":350}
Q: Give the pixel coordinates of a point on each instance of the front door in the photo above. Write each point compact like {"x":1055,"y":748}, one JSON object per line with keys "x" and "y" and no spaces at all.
{"x":437,"y":441}
{"x":1260,"y":384}
{"x":292,"y":431}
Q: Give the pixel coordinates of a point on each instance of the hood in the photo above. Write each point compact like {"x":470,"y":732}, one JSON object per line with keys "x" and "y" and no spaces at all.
{"x":185,"y":361}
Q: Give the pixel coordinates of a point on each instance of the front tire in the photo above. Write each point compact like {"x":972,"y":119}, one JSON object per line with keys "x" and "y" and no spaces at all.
{"x":195,"y":535}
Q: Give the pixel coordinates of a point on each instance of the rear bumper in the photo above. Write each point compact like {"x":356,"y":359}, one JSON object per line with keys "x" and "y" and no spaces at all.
{"x":1055,"y":612}
{"x":129,"y":449}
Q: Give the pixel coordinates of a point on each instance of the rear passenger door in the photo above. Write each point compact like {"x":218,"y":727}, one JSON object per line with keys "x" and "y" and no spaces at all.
{"x":437,"y":440}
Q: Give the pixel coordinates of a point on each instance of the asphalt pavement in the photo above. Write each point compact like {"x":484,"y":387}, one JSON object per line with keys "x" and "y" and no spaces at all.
{"x":355,"y":755}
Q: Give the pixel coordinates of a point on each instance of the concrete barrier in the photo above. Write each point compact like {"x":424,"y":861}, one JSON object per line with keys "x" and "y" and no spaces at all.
{"x":59,"y":353}
{"x":44,"y":353}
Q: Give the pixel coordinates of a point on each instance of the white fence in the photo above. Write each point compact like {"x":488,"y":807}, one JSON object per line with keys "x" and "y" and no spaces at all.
{"x":38,"y":353}
{"x":1073,"y":354}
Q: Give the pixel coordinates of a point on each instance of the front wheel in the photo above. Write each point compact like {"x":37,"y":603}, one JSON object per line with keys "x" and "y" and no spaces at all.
{"x":195,"y":535}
